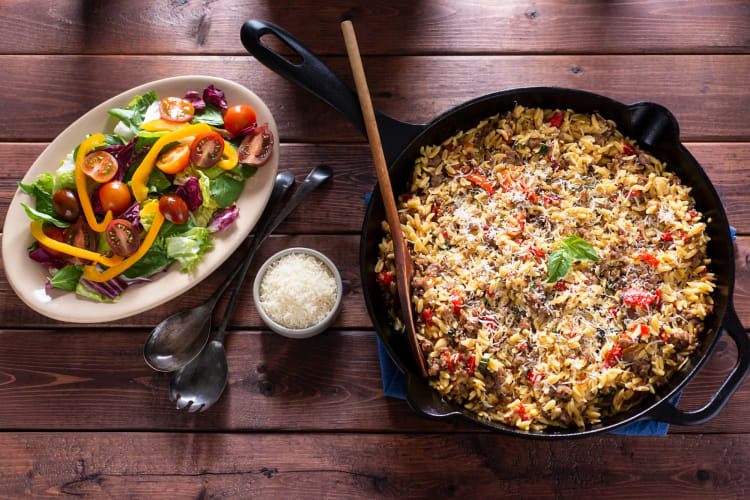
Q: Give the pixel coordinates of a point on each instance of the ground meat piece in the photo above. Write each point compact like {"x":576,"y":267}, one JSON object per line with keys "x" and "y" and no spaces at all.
{"x":402,"y":218}
{"x":436,"y":180}
{"x":562,"y":392}
{"x":628,"y":354}
{"x":435,"y":161}
{"x":420,"y":284}
{"x":584,"y":195}
{"x":625,"y":341}
{"x":525,"y":324}
{"x":433,"y":270}
{"x":564,"y":417}
{"x":641,"y":367}
{"x":681,"y":340}
{"x":421,"y":262}
{"x":434,"y":369}
{"x":696,"y":261}
{"x":598,"y":139}
{"x":644,"y":158}
{"x":508,"y":116}
{"x":534,"y":143}
{"x":519,"y":360}
{"x":513,"y":157}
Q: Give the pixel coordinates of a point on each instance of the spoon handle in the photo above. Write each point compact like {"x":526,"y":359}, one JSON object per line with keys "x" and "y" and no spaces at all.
{"x":315,"y":178}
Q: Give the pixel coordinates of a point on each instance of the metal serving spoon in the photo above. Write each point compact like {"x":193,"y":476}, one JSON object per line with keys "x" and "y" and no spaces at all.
{"x":180,"y":338}
{"x":201,"y":382}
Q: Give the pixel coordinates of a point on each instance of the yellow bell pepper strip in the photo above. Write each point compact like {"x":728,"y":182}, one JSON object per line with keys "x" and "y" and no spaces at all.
{"x":140,"y":177}
{"x":85,"y":148}
{"x":229,"y":158}
{"x":91,"y":273}
{"x":38,"y":232}
{"x":158,"y":125}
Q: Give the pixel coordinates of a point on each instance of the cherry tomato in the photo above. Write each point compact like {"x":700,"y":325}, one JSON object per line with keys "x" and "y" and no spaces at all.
{"x":55,"y":233}
{"x":173,"y":208}
{"x":100,"y":166}
{"x":206,"y":149}
{"x":115,"y":196}
{"x":238,"y":118}
{"x":82,"y":236}
{"x":174,"y":159}
{"x":65,"y":203}
{"x":256,"y":148}
{"x":176,"y":109}
{"x":122,"y":237}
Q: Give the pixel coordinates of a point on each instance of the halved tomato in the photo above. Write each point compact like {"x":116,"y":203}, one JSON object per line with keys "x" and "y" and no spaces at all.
{"x":100,"y":166}
{"x":206,"y":149}
{"x":174,"y":160}
{"x":57,"y":234}
{"x":122,"y":237}
{"x":256,"y":148}
{"x":82,"y":236}
{"x":239,"y":117}
{"x":176,"y":109}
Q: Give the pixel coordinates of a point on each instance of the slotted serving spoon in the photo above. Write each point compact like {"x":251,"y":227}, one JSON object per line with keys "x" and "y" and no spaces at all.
{"x":404,"y":264}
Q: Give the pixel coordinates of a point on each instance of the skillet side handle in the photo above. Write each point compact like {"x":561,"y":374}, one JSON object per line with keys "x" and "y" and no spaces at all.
{"x":316,"y":77}
{"x":668,"y":413}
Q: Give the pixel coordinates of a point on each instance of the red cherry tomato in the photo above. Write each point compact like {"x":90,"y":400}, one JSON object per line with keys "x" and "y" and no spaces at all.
{"x":82,"y":236}
{"x":115,"y":196}
{"x":173,"y":208}
{"x":100,"y":166}
{"x":206,"y":149}
{"x":176,"y":109}
{"x":174,"y":159}
{"x":55,"y":233}
{"x":256,"y":148}
{"x":65,"y":203}
{"x":239,"y":117}
{"x":122,"y":237}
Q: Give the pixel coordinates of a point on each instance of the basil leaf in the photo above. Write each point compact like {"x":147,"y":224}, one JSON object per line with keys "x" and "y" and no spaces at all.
{"x":67,"y":278}
{"x":210,"y":115}
{"x":244,"y":171}
{"x":558,"y":265}
{"x":578,"y":248}
{"x":543,"y":149}
{"x":169,"y":229}
{"x":154,"y":261}
{"x":37,"y":215}
{"x":225,"y":190}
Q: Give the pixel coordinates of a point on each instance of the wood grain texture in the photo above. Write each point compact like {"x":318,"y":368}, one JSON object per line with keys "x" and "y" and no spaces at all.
{"x":177,"y":466}
{"x":708,"y":94}
{"x":354,"y":177}
{"x":342,"y":249}
{"x":443,"y":26}
{"x":88,"y":379}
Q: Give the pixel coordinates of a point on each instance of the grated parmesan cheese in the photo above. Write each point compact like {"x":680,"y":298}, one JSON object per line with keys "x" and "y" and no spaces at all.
{"x":298,"y":291}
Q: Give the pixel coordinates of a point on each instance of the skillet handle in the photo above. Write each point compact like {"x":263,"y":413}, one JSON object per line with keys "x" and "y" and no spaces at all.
{"x":667,"y":412}
{"x":313,"y":75}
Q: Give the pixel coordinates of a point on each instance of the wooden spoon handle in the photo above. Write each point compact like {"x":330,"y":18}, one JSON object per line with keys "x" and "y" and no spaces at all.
{"x":404,"y":267}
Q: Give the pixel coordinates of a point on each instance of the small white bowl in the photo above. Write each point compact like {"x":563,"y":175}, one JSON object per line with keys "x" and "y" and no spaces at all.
{"x":302,"y":333}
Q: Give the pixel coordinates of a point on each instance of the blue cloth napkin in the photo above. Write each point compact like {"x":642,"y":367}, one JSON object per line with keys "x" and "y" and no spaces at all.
{"x":394,"y":380}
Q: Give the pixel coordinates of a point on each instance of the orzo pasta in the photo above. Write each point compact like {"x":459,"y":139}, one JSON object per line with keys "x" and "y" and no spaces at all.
{"x":484,"y":213}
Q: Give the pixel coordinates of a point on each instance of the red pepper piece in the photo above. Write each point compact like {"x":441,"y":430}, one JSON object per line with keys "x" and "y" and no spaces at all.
{"x":613,"y":356}
{"x":663,"y":336}
{"x":551,"y":199}
{"x":535,"y":377}
{"x":427,"y":315}
{"x":435,"y":209}
{"x":384,"y":279}
{"x":457,"y":302}
{"x":482,"y":182}
{"x":658,"y":297}
{"x":561,"y":285}
{"x":647,"y":257}
{"x":445,"y":234}
{"x":637,"y":297}
{"x":628,"y":149}
{"x":641,"y":330}
{"x":666,"y":237}
{"x":633,"y":193}
{"x":536,"y":252}
{"x":450,"y":147}
{"x":505,"y":181}
{"x":556,"y":119}
{"x":531,"y":195}
{"x":452,"y":359}
{"x":470,"y":365}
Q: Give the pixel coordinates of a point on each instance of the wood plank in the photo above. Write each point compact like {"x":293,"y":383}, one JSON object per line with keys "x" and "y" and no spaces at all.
{"x":43,"y":94}
{"x":354,"y":178}
{"x":71,"y":379}
{"x":176,"y":466}
{"x":342,"y":249}
{"x":396,"y":27}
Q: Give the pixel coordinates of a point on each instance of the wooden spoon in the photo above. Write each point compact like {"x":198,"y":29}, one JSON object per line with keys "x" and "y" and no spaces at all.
{"x":404,"y":264}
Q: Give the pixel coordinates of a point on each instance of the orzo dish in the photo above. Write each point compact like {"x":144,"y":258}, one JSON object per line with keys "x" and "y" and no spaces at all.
{"x":560,"y":270}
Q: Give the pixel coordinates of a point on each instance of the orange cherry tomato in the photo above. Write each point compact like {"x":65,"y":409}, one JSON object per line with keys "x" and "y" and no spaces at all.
{"x":115,"y":196}
{"x":176,"y":109}
{"x":174,"y":159}
{"x":206,"y":149}
{"x":238,"y":117}
{"x":100,"y":166}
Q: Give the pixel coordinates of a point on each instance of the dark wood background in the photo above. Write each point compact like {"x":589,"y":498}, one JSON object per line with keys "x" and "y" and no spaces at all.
{"x":81,"y":414}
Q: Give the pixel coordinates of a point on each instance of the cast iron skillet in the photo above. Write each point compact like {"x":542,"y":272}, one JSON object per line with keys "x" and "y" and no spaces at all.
{"x":652,"y":125}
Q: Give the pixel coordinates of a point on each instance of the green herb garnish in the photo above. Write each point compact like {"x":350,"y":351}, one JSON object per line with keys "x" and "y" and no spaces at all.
{"x":483,"y":364}
{"x":561,"y":259}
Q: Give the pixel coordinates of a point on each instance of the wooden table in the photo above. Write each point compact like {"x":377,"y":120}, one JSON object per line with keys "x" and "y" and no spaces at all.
{"x":82,"y":415}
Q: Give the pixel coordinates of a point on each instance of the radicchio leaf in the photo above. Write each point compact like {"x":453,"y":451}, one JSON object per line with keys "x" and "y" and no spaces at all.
{"x":223,"y":218}
{"x":215,"y":96}
{"x":43,"y":257}
{"x":133,"y":214}
{"x":195,"y":98}
{"x":190,"y":192}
